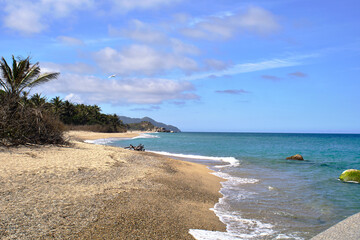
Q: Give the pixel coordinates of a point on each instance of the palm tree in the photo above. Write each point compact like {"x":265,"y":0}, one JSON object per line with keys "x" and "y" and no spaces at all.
{"x":22,"y":75}
{"x":37,"y":100}
{"x":56,"y":104}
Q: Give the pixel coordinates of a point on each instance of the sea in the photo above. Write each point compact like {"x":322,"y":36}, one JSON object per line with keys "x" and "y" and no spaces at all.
{"x":265,"y":196}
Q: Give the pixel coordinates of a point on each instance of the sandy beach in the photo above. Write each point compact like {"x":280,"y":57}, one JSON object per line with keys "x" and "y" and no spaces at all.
{"x":87,"y":191}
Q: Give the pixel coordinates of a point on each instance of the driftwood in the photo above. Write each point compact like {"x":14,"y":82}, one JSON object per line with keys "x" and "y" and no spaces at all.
{"x":140,"y":147}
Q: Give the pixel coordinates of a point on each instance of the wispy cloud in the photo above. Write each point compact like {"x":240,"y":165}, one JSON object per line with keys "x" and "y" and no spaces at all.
{"x":178,"y":103}
{"x":271,"y":77}
{"x":139,"y":31}
{"x":148,"y":109}
{"x":70,"y":40}
{"x":254,"y":67}
{"x":232,"y":91}
{"x":129,"y":5}
{"x":225,"y":25}
{"x":298,"y":74}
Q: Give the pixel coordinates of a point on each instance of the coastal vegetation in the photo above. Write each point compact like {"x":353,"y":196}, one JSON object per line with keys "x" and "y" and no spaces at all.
{"x":23,"y":121}
{"x":32,"y":119}
{"x":84,"y":117}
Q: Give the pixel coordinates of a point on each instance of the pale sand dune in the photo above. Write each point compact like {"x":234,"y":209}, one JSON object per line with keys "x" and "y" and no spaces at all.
{"x":88,"y":191}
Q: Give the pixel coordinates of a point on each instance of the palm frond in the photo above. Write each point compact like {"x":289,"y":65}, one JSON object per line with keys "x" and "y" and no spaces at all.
{"x":4,"y":85}
{"x":21,"y":70}
{"x":22,"y":75}
{"x":43,"y":78}
{"x":6,"y":71}
{"x":31,"y":73}
{"x":14,"y":67}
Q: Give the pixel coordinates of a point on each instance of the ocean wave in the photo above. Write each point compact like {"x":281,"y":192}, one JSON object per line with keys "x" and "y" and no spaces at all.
{"x":231,"y":160}
{"x":105,"y":141}
{"x":145,"y":135}
{"x":233,"y":181}
{"x":236,"y":228}
{"x":211,"y":235}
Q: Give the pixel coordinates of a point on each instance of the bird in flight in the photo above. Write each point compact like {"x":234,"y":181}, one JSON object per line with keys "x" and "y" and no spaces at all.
{"x":112,"y":76}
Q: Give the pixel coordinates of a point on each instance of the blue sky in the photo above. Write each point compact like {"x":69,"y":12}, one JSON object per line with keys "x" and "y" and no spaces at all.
{"x":245,"y":66}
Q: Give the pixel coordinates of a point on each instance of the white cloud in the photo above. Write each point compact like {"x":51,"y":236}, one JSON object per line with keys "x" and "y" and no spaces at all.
{"x":63,"y":8}
{"x":30,"y":17}
{"x":139,"y":31}
{"x":77,"y":67}
{"x":70,"y":40}
{"x":141,"y":59}
{"x":154,"y":34}
{"x":23,"y":17}
{"x":73,"y":98}
{"x":127,"y":91}
{"x":180,"y":47}
{"x":255,"y":20}
{"x":259,"y":21}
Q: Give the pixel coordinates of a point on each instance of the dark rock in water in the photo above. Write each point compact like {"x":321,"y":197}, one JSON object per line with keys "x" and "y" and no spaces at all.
{"x":350,"y":175}
{"x":140,"y":147}
{"x":296,"y":157}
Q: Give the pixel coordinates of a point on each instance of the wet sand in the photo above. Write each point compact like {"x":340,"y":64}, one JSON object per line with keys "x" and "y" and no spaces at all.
{"x":88,"y":191}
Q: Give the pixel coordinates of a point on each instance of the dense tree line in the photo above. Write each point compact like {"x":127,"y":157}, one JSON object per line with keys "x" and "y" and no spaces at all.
{"x":32,"y":119}
{"x":80,"y":116}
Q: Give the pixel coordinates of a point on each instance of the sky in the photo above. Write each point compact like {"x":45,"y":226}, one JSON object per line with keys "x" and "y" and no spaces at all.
{"x":224,"y":66}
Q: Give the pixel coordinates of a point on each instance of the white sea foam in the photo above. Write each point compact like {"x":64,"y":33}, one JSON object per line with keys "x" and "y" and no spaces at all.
{"x":212,"y":235}
{"x":237,"y":227}
{"x":233,"y":181}
{"x":290,"y":236}
{"x":231,"y":160}
{"x":144,"y":135}
{"x":105,"y":141}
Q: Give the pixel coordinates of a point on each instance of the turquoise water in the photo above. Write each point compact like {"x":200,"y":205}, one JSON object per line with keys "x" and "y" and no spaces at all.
{"x":266,"y":196}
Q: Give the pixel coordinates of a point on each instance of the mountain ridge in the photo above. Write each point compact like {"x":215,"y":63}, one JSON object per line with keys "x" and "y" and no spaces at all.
{"x":128,"y":120}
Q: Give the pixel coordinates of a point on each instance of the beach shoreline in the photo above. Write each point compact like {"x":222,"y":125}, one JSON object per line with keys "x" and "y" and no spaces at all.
{"x":86,"y":135}
{"x":88,"y":191}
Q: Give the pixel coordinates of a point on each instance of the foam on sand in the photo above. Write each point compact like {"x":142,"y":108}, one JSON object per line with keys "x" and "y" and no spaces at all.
{"x":231,"y":160}
{"x":237,"y":227}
